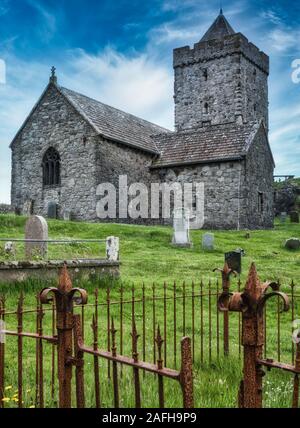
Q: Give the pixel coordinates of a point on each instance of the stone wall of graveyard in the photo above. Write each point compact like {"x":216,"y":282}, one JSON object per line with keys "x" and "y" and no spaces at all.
{"x":86,"y":161}
{"x":236,"y":83}
{"x":6,"y":209}
{"x":259,"y":179}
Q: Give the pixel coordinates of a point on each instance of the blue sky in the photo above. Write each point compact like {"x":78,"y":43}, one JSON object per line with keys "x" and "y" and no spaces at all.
{"x":120,"y":52}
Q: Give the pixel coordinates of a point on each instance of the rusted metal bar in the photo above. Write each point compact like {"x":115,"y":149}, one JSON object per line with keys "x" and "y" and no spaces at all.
{"x":193,"y":320}
{"x":201,"y":325}
{"x":144,"y":322}
{"x":296,"y":379}
{"x":108,"y":328}
{"x":293,"y":317}
{"x":240,"y":322}
{"x":40,"y":356}
{"x":64,"y":296}
{"x":82,"y":321}
{"x":2,"y":351}
{"x":209,"y":323}
{"x":251,"y":304}
{"x":160,"y":363}
{"x":183,"y":309}
{"x":186,"y":373}
{"x":79,"y":363}
{"x":48,"y":339}
{"x":95,"y":345}
{"x":53,"y":356}
{"x":175,"y":325}
{"x":154,"y":321}
{"x":115,"y":366}
{"x":37,"y":355}
{"x":165,"y":323}
{"x":278,"y":328}
{"x":135,"y":357}
{"x":20,"y":350}
{"x":218,"y":322}
{"x":121,"y":324}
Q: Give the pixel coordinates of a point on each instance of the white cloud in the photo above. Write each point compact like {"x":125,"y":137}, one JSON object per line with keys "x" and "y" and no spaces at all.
{"x":47,"y":27}
{"x":4,"y":7}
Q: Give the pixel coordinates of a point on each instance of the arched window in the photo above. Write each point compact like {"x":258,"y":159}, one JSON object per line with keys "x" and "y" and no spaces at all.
{"x":51,"y":168}
{"x":206,"y":108}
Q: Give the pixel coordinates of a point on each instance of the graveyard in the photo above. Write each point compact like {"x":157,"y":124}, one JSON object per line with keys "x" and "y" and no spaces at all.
{"x":151,"y":265}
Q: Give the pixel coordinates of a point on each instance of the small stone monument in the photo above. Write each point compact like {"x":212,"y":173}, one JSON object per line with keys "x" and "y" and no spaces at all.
{"x":208,"y":241}
{"x":52,"y":210}
{"x":234,"y":260}
{"x":67,"y":215}
{"x":9,"y":248}
{"x":112,"y":248}
{"x":181,"y":225}
{"x":292,"y":244}
{"x":294,"y":216}
{"x":283,"y":217}
{"x":37,"y":229}
{"x":27,"y":208}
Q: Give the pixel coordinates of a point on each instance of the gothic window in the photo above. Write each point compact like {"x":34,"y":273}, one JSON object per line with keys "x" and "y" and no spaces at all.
{"x":51,"y":168}
{"x":205,"y":74}
{"x":206,"y":108}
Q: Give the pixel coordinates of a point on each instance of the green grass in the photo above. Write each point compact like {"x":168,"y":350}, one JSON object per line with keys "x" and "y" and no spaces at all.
{"x":147,"y":256}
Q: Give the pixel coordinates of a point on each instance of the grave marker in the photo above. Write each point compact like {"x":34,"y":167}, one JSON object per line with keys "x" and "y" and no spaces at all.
{"x":208,"y":241}
{"x":181,"y":226}
{"x":294,"y":216}
{"x":36,"y":228}
{"x":234,"y":261}
{"x":52,"y":210}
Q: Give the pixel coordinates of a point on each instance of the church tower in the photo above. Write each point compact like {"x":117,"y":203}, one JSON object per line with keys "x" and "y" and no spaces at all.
{"x":223,"y":79}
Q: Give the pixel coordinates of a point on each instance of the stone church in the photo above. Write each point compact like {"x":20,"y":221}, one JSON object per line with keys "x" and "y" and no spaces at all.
{"x":70,"y":143}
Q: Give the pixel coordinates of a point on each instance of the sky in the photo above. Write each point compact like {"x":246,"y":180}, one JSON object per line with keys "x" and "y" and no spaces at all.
{"x":120,"y":52}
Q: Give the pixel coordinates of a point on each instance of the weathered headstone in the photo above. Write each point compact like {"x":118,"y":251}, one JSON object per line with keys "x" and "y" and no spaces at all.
{"x":283,"y":217}
{"x":67,"y":215}
{"x":292,"y":244}
{"x":9,"y":247}
{"x":112,"y":248}
{"x":52,"y":210}
{"x":234,"y":260}
{"x":181,"y":225}
{"x":36,"y":229}
{"x":208,"y":241}
{"x":294,"y":216}
{"x":27,"y":208}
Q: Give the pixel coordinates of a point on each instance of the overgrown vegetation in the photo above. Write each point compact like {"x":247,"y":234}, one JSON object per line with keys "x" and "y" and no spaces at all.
{"x":147,"y":256}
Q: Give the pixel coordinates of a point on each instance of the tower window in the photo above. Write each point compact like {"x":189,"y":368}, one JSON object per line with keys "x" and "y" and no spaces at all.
{"x":205,"y":74}
{"x":51,"y":168}
{"x":255,"y":107}
{"x":206,"y":108}
{"x":260,"y":202}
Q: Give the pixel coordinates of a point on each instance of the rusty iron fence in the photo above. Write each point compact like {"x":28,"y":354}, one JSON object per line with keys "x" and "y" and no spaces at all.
{"x":69,"y":349}
{"x":180,"y":311}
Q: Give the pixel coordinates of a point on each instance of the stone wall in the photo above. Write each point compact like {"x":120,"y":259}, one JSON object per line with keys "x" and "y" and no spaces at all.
{"x":223,"y":208}
{"x":259,"y":181}
{"x":229,"y":75}
{"x":6,"y":209}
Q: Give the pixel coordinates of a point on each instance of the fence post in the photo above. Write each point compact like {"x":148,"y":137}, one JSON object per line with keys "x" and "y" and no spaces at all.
{"x":226,"y":272}
{"x":186,"y":373}
{"x":64,"y":298}
{"x":251,"y":303}
{"x":79,"y":363}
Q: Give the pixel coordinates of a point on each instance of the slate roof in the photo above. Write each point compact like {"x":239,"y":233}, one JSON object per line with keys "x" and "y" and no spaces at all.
{"x":219,"y":29}
{"x":215,"y":143}
{"x":115,"y":124}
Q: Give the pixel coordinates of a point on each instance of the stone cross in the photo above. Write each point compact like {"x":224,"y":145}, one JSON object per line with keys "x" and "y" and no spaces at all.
{"x":36,"y":228}
{"x":208,"y":240}
{"x":112,"y":248}
{"x":181,"y":225}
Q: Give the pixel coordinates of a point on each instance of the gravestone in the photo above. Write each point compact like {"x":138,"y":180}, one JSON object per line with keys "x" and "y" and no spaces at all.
{"x":112,"y":248}
{"x":234,"y":260}
{"x":208,"y":241}
{"x":294,"y":216}
{"x":292,"y":244}
{"x":181,"y":226}
{"x":52,"y":210}
{"x":27,"y":208}
{"x":36,"y":228}
{"x":67,"y":215}
{"x":283,"y":217}
{"x":9,"y":247}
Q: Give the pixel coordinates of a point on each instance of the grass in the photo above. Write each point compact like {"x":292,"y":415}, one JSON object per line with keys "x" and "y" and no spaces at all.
{"x":148,"y":257}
